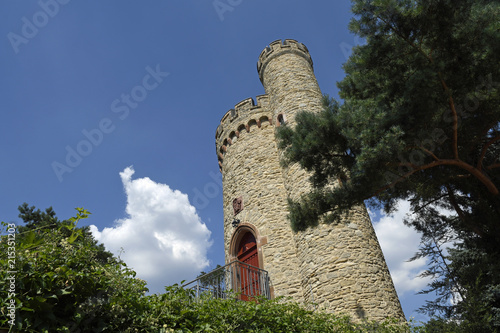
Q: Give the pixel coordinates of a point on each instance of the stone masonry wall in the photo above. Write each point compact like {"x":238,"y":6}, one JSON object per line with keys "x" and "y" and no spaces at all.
{"x":251,"y":170}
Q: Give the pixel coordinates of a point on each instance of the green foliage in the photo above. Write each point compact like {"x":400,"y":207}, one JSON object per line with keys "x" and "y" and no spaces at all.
{"x":178,"y":310}
{"x":478,"y":274}
{"x":437,"y":237}
{"x":442,"y":326}
{"x":465,"y":278}
{"x":65,"y":282}
{"x":420,"y":121}
{"x":416,"y":116}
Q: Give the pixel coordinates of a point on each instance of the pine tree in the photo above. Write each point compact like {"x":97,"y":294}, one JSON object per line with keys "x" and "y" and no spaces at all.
{"x":421,"y":114}
{"x":419,"y":121}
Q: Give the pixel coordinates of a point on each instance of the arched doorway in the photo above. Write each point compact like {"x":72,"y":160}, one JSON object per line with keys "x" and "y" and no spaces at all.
{"x":236,"y":251}
{"x":249,"y":273}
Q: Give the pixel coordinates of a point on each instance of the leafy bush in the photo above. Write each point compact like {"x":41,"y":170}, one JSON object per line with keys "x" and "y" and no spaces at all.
{"x":66,"y":282}
{"x":182,"y":312}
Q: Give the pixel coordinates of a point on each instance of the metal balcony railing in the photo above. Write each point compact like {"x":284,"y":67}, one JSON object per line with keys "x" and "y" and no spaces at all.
{"x":235,"y":278}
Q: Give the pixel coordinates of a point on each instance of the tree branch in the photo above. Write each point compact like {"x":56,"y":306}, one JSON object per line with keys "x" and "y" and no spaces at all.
{"x":460,"y":212}
{"x":429,"y":203}
{"x":451,"y":102}
{"x":408,"y":174}
{"x":430,"y":153}
{"x":418,"y":48}
{"x":493,"y":166}
{"x":489,"y":127}
{"x":483,"y":178}
{"x":454,"y":203}
{"x":450,"y":98}
{"x":461,"y":164}
{"x":483,"y":152}
{"x":443,"y":259}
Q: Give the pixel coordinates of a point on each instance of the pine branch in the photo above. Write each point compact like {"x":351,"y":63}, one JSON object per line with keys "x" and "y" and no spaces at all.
{"x":429,"y":203}
{"x":397,"y":32}
{"x":483,"y":152}
{"x":447,"y":268}
{"x":493,"y":166}
{"x":451,"y":102}
{"x":460,"y":212}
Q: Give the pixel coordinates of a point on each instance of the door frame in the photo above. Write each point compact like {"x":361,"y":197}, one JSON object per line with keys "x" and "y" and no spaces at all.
{"x":238,"y":234}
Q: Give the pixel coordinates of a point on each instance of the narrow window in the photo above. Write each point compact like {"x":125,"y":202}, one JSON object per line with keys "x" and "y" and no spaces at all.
{"x":281,"y":120}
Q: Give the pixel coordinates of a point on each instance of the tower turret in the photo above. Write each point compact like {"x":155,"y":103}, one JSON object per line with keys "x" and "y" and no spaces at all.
{"x":286,"y":71}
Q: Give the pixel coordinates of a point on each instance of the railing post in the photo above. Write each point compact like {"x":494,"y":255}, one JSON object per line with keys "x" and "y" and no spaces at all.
{"x":237,"y":276}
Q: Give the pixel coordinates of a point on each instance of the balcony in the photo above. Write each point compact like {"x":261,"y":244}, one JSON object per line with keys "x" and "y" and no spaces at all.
{"x":236,"y":279}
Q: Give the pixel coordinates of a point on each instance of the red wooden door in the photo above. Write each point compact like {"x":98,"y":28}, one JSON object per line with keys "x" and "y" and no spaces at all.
{"x":249,"y":276}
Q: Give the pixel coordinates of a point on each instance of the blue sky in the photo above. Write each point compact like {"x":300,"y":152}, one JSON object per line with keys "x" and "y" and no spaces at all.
{"x":113,"y":106}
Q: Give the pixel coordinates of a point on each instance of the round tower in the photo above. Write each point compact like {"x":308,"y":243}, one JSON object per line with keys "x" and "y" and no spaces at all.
{"x":339,"y":268}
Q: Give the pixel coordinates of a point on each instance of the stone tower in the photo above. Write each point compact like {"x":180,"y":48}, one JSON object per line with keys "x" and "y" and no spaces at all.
{"x":339,"y":267}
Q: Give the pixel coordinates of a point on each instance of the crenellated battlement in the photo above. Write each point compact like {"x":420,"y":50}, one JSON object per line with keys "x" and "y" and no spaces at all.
{"x":278,"y":47}
{"x":242,"y":109}
{"x":245,"y":114}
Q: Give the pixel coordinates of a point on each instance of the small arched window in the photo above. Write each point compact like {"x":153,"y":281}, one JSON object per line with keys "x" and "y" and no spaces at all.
{"x":264,"y":121}
{"x":281,"y":120}
{"x":251,"y":123}
{"x":233,"y":137}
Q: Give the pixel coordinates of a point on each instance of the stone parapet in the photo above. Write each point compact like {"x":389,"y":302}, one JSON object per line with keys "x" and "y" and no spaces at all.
{"x":278,"y":48}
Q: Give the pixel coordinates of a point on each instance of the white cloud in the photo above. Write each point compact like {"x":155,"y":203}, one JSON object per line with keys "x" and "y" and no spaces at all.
{"x":163,"y":238}
{"x":399,"y":243}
